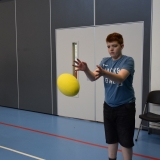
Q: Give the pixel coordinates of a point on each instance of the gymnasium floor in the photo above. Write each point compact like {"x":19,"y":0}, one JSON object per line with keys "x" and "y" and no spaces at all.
{"x":28,"y":135}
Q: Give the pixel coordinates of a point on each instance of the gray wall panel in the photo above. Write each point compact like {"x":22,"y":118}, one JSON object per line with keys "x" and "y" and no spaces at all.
{"x":68,"y":13}
{"x":34,"y":57}
{"x":113,"y":11}
{"x":8,"y":64}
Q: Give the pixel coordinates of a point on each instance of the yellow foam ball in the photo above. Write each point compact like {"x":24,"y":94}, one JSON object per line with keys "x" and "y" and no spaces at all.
{"x":68,"y":84}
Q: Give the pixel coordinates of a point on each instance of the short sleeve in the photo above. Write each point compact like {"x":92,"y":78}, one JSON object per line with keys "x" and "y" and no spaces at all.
{"x":103,"y":62}
{"x":129,"y":65}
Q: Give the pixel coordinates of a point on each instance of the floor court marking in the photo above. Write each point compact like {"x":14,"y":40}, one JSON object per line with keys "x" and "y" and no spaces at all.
{"x":25,"y":154}
{"x":75,"y":140}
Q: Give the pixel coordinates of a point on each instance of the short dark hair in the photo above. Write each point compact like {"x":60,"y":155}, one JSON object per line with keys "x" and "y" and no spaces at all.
{"x":115,"y":37}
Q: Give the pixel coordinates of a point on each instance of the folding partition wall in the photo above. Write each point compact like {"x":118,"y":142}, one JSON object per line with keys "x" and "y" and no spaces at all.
{"x":88,"y":104}
{"x":8,"y":59}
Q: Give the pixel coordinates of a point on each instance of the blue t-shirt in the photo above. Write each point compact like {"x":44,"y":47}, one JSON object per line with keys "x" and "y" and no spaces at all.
{"x":118,"y":94}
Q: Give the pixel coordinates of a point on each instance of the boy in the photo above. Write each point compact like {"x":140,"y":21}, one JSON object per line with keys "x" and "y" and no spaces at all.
{"x":119,"y":103}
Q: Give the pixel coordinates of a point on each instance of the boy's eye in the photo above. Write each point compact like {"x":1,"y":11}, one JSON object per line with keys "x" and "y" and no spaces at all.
{"x":114,"y":46}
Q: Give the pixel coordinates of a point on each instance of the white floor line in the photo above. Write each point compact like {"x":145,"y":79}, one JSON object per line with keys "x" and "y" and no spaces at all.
{"x":22,"y":153}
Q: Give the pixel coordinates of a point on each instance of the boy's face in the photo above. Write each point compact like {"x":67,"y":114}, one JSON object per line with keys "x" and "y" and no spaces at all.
{"x":114,"y":49}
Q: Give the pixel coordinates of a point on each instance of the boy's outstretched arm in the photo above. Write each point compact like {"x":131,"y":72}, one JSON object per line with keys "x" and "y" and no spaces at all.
{"x":118,"y":78}
{"x":82,"y":66}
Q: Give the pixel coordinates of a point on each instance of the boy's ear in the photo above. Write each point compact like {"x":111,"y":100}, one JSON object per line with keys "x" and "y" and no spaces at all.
{"x":122,"y":46}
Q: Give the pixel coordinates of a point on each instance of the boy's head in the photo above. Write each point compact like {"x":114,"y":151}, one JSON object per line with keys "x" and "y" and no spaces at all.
{"x":115,"y":45}
{"x":115,"y":37}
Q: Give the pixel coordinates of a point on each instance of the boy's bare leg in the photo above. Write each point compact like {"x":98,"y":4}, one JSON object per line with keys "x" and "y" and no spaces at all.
{"x":127,"y":153}
{"x":112,"y":150}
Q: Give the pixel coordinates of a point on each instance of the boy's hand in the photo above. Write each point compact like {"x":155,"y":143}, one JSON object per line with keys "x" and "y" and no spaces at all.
{"x":99,"y":71}
{"x":80,"y":66}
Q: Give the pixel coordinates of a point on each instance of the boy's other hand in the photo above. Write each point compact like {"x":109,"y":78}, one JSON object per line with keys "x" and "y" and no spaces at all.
{"x":80,"y":66}
{"x":99,"y":71}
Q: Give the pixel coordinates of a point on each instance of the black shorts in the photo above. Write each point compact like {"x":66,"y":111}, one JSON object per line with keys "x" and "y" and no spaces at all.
{"x":119,"y":124}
